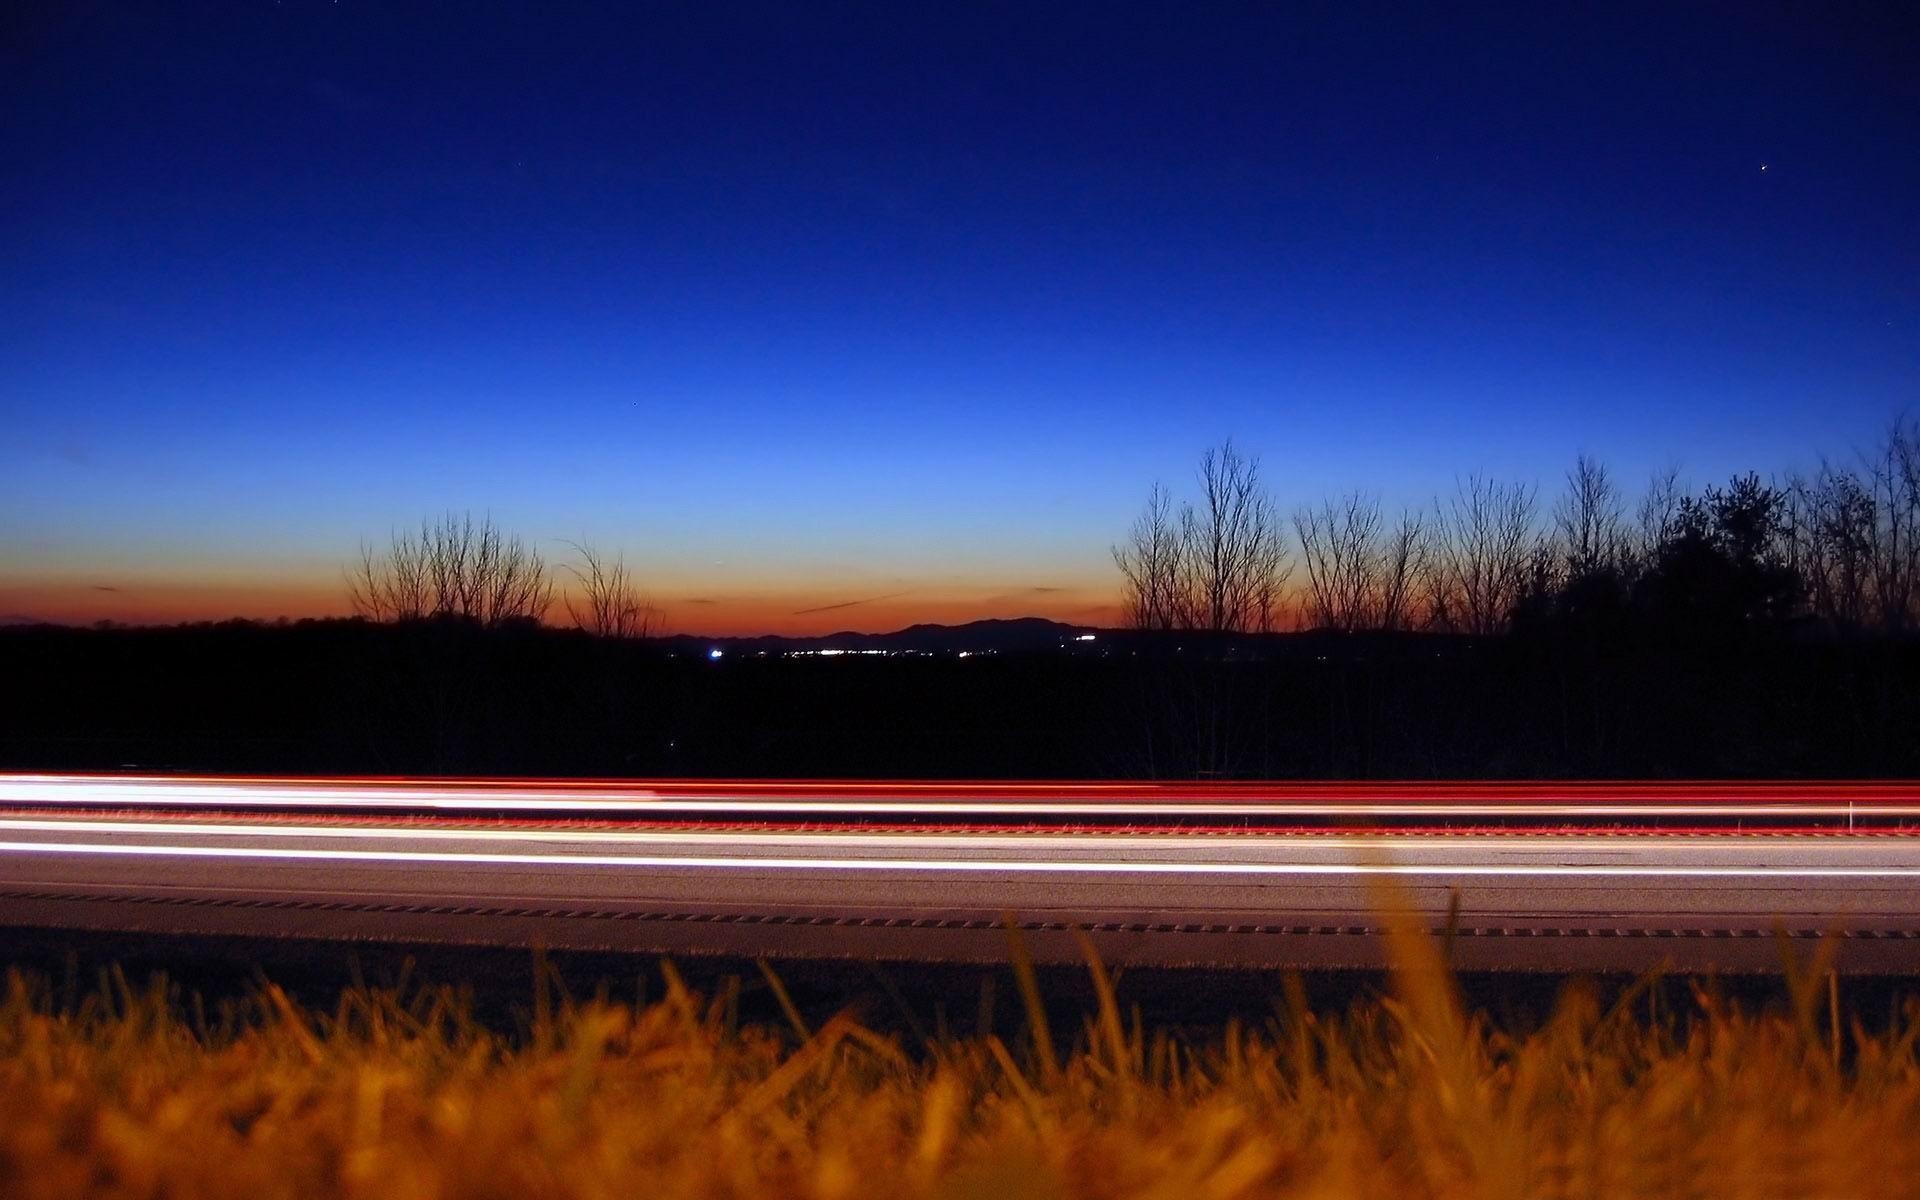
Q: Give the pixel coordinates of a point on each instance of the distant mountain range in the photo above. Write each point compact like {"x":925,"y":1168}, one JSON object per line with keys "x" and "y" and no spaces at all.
{"x":1020,"y":633}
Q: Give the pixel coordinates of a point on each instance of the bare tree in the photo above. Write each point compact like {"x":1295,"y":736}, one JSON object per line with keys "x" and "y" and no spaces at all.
{"x":1218,"y":566}
{"x":1656,"y":515}
{"x":509,"y":581}
{"x":1854,"y":536}
{"x":1149,"y":565}
{"x":1340,"y":545}
{"x":1400,"y":567}
{"x":1234,"y":560}
{"x":393,"y":586}
{"x":454,"y":567}
{"x":1481,"y":546}
{"x":1360,"y":574}
{"x":1831,"y":533}
{"x":1272,"y":566}
{"x":1893,"y":477}
{"x":1588,"y":520}
{"x":609,"y":603}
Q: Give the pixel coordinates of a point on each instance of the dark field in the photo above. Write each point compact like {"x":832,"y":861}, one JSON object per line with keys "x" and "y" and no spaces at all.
{"x":445,"y":698}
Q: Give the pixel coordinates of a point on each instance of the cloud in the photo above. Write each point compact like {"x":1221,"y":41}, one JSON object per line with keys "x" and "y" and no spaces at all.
{"x":1022,"y":595}
{"x":802,"y":612}
{"x":1089,"y":610}
{"x":700,"y":601}
{"x":104,"y":587}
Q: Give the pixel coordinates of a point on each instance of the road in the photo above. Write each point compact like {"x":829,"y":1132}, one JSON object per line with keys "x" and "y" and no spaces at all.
{"x":1551,"y":877}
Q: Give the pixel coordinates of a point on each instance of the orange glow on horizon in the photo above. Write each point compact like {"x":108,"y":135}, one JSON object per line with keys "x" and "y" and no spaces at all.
{"x":787,"y":611}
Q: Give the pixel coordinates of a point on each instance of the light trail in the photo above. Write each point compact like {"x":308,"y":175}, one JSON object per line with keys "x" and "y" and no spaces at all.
{"x":1857,"y":788}
{"x":1572,"y":802}
{"x":899,"y":870}
{"x":1092,"y":839}
{"x":960,"y":865}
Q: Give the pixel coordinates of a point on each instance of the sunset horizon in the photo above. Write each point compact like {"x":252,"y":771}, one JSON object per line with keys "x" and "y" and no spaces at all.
{"x":798,"y":613}
{"x":724,"y":590}
{"x":900,"y":312}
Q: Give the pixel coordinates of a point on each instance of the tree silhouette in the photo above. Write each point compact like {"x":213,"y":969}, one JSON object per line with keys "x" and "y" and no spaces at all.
{"x":1481,"y":549}
{"x":609,"y":604}
{"x":1234,"y":559}
{"x":1653,"y":517}
{"x":1895,"y":487}
{"x":1725,"y":564}
{"x":1591,"y":562}
{"x":453,"y":568}
{"x":1832,"y":525}
{"x":1359,"y":574}
{"x":1855,"y":536}
{"x":1589,"y":522}
{"x":1150,"y":567}
{"x":1218,"y":566}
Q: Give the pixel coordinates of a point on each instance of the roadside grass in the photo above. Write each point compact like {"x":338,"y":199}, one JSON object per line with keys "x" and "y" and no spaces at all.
{"x":141,"y":1091}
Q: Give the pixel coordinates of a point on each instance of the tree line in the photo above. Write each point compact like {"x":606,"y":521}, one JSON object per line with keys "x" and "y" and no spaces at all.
{"x":467,"y":570}
{"x":1837,"y":549}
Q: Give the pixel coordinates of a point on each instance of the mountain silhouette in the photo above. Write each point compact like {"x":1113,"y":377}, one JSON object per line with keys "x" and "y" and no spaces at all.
{"x":993,"y":634}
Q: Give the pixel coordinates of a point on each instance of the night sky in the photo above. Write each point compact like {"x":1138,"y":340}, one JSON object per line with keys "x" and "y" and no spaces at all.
{"x":839,"y":316}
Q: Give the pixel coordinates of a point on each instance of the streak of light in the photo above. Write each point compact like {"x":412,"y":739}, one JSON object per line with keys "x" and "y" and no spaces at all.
{"x":1718,"y":801}
{"x":1583,"y":843}
{"x":958,"y":865}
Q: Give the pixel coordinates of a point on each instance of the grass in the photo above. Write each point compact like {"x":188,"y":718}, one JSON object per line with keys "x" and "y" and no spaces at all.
{"x":402,"y":1094}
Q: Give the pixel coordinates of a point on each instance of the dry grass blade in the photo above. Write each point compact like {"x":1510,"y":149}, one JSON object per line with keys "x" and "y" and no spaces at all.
{"x":1029,"y":983}
{"x":787,"y":1008}
{"x":131,"y":1092}
{"x":1120,"y":1056}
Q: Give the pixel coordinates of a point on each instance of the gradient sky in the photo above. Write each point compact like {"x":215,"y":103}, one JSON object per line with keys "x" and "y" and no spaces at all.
{"x":849,"y":316}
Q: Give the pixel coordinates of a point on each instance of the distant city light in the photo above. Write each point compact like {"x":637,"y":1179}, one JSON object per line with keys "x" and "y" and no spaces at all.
{"x":837,"y":652}
{"x":1085,"y":637}
{"x":716,"y":652}
{"x":846,"y":652}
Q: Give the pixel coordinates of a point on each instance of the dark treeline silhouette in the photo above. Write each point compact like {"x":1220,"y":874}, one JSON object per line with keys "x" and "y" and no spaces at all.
{"x":1835,"y":553}
{"x":1747,"y":629}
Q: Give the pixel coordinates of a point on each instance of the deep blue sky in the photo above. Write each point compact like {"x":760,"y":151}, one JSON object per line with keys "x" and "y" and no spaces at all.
{"x":803,"y":304}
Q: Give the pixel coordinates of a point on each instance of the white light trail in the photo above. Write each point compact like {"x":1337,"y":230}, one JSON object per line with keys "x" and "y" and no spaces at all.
{"x":55,"y":791}
{"x":959,"y":865}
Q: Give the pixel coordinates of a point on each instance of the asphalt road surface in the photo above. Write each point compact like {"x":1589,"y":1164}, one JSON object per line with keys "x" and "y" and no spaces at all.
{"x":1552,"y":877}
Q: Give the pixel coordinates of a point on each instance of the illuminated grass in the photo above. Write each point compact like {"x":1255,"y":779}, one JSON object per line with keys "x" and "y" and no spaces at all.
{"x":403,"y":1095}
